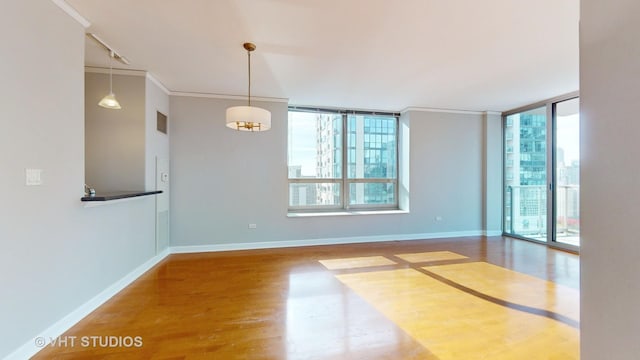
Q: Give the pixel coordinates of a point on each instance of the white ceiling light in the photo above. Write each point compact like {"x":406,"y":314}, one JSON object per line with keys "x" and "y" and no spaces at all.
{"x":248,"y":118}
{"x":109,"y":101}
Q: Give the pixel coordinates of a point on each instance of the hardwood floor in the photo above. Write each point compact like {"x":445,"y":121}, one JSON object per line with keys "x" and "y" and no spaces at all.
{"x":461,"y":298}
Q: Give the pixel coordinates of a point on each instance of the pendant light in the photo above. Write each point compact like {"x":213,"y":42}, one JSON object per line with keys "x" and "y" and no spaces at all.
{"x":110,"y":101}
{"x":248,"y":118}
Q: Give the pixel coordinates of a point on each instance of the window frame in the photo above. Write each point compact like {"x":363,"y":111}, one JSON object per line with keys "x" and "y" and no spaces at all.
{"x":345,"y":182}
{"x":550,"y":170}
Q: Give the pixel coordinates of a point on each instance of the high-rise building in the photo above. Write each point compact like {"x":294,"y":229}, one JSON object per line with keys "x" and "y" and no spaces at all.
{"x":299,"y":194}
{"x":371,"y":154}
{"x":328,"y":157}
{"x":526,"y":173}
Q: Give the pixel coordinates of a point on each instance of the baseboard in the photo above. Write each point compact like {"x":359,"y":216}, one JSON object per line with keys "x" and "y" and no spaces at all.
{"x":325,"y":241}
{"x":29,"y":349}
{"x":492,"y":232}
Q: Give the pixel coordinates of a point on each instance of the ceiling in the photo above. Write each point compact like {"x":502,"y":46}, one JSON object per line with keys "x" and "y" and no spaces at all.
{"x":362,"y":54}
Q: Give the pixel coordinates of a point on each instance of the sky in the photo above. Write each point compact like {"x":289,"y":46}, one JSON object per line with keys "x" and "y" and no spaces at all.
{"x":568,"y":137}
{"x":302,"y":141}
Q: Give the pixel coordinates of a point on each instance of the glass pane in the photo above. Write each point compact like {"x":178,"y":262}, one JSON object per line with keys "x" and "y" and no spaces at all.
{"x":314,"y":194}
{"x":372,"y":147}
{"x":525,"y":169}
{"x":372,"y":193}
{"x":567,"y":160}
{"x":314,"y":145}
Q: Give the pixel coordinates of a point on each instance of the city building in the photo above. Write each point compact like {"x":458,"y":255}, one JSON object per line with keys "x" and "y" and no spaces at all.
{"x":526,"y":173}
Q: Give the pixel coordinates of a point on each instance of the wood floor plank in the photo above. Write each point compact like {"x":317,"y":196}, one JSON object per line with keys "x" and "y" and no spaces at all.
{"x":284,"y":304}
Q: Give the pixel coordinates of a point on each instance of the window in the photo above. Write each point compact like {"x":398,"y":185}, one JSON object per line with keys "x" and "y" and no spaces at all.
{"x":342,"y":160}
{"x":541,"y":171}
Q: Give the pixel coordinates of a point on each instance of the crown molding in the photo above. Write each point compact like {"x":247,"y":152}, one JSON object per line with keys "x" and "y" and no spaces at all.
{"x":228,"y":97}
{"x":69,"y":10}
{"x":338,"y":108}
{"x":152,"y":78}
{"x":128,"y":72}
{"x":159,"y":84}
{"x":449,"y":111}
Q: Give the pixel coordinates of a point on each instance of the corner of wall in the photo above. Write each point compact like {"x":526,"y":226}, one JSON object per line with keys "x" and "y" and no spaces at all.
{"x":404,"y":157}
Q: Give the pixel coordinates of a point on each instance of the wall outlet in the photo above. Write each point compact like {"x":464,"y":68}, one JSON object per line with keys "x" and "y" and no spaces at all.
{"x":438,"y":218}
{"x":252,"y":226}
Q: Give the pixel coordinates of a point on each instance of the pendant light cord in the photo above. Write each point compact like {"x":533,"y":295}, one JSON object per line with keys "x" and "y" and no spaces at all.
{"x":249,"y":65}
{"x":110,"y":72}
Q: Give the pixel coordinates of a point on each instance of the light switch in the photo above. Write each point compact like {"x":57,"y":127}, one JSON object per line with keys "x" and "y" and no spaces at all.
{"x":33,"y":177}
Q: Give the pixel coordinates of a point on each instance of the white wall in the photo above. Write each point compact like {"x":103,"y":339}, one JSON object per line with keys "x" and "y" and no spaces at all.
{"x":223,"y":179}
{"x":56,"y":254}
{"x":610,"y":177}
{"x":157,"y":147}
{"x":446,"y":171}
{"x":156,"y":143}
{"x":492,"y":173}
{"x":115,"y":139}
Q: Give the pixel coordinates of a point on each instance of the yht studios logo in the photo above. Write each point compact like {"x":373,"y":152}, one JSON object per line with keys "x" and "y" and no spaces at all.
{"x":92,"y":341}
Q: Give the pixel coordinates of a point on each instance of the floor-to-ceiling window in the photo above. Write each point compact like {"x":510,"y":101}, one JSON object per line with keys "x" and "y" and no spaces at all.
{"x":525,"y":169}
{"x":567,"y":171}
{"x":541,"y":167}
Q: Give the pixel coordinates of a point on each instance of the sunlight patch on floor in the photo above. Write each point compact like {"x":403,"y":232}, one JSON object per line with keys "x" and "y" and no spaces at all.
{"x":513,"y":286}
{"x":358,"y":262}
{"x":453,"y":324}
{"x":431,"y":256}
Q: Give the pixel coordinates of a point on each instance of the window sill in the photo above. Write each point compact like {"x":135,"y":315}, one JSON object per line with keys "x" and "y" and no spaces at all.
{"x":345,"y":213}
